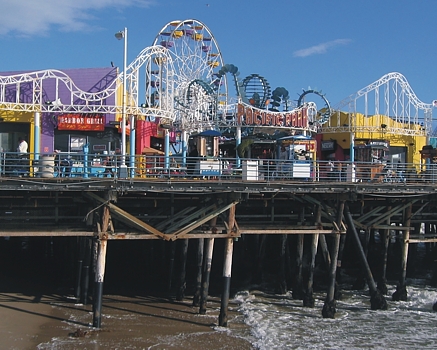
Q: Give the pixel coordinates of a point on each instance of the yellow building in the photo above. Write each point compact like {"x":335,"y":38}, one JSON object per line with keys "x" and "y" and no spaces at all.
{"x":374,"y":138}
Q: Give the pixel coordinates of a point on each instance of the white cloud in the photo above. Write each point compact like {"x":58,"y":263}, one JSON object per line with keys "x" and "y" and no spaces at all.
{"x":32,"y":17}
{"x":321,"y":48}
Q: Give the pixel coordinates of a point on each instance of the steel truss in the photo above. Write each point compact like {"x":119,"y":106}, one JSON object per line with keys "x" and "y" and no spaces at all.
{"x":25,"y":92}
{"x":390,"y":96}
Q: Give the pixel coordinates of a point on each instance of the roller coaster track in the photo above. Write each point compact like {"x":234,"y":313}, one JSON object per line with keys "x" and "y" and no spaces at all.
{"x":25,"y":92}
{"x":391,"y":96}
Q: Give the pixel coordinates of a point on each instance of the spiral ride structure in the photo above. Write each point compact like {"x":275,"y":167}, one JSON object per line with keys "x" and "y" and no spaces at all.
{"x":316,"y":116}
{"x":198,"y":89}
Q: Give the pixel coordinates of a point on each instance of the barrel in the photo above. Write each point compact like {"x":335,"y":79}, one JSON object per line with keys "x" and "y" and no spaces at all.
{"x":47,"y":166}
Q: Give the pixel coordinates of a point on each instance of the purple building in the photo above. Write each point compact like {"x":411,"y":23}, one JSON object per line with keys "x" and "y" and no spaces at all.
{"x":69,"y":123}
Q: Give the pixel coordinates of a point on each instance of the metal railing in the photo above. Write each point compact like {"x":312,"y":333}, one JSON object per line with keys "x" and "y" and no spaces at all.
{"x":64,"y":165}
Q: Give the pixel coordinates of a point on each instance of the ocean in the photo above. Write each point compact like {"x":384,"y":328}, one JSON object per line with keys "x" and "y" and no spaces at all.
{"x":279,"y":322}
{"x":258,"y":320}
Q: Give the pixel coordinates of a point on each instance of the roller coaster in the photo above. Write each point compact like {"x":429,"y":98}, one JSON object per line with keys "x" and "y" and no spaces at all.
{"x":182,"y":79}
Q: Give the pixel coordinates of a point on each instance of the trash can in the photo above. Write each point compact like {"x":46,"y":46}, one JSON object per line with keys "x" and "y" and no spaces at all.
{"x":47,"y":166}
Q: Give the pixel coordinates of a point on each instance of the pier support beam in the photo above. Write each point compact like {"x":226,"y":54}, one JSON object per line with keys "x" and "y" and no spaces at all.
{"x":329,"y":307}
{"x":79,"y":266}
{"x":86,"y":271}
{"x":377,"y":300}
{"x":182,"y":273}
{"x":198,"y":289}
{"x":298,"y":286}
{"x":227,"y":270}
{"x":207,"y":263}
{"x":100,"y":268}
{"x":308,"y":299}
{"x":382,"y":283}
{"x":401,"y":289}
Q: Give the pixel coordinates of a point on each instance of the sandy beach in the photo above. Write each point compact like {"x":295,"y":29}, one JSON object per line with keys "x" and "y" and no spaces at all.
{"x":134,"y":322}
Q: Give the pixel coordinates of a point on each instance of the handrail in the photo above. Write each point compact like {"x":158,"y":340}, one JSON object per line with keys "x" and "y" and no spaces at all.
{"x":81,"y":165}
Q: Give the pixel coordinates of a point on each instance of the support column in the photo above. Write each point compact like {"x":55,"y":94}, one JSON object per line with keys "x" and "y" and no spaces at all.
{"x":325,"y":250}
{"x":100,"y":269}
{"x":227,"y":270}
{"x":180,"y":294}
{"x":298,"y":286}
{"x":308,"y":299}
{"x":209,"y":247}
{"x":282,"y":280}
{"x":401,"y":289}
{"x":172,"y":245}
{"x":197,"y":292}
{"x":37,"y":135}
{"x":79,"y":265}
{"x":382,"y":283}
{"x":237,"y":142}
{"x":377,"y":300}
{"x":329,"y":308}
{"x":86,"y":271}
{"x":132,"y":143}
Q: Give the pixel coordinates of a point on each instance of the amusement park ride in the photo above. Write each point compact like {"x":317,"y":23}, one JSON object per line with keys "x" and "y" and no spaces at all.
{"x":181,"y":84}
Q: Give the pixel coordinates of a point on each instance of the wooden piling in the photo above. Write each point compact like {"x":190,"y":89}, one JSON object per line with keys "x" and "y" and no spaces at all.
{"x":79,"y":265}
{"x":182,"y":272}
{"x":382,"y":283}
{"x":100,"y":268}
{"x":401,"y":289}
{"x":207,"y":263}
{"x":329,"y":307}
{"x":377,"y":300}
{"x":198,"y":287}
{"x":308,"y":299}
{"x":172,"y":251}
{"x":227,"y":268}
{"x":298,"y":286}
{"x":86,"y":271}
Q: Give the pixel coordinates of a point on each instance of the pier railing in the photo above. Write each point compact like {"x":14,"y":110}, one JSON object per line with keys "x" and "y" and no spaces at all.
{"x":67,"y":165}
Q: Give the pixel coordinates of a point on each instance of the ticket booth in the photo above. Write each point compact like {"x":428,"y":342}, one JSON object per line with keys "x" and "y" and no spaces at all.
{"x":300,"y":156}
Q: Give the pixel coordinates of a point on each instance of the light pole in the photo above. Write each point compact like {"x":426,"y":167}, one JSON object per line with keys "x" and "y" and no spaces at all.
{"x":123,"y":168}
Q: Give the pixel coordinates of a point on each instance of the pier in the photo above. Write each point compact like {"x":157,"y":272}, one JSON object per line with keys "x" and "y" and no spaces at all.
{"x":321,"y":220}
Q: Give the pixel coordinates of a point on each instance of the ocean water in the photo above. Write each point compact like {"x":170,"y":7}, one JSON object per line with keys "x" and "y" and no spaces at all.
{"x":279,"y":322}
{"x":259,"y":320}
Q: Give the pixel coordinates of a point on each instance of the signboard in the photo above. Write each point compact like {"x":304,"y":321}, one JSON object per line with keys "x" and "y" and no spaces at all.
{"x":251,"y":116}
{"x":328,"y":145}
{"x":81,"y":122}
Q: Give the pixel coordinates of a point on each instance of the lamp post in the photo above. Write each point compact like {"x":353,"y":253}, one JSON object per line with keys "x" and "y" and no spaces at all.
{"x":123,"y":168}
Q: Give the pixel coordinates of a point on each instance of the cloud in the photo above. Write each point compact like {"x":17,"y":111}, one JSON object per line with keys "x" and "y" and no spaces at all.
{"x":321,"y":48}
{"x":31,"y":17}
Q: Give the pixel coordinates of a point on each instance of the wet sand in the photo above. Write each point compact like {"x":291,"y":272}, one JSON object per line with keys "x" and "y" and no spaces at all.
{"x":134,"y":322}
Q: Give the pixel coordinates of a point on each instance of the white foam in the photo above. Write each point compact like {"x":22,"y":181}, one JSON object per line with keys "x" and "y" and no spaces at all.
{"x":280,"y":322}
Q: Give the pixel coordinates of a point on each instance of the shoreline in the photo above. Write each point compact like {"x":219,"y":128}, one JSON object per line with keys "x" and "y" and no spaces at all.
{"x":52,"y":321}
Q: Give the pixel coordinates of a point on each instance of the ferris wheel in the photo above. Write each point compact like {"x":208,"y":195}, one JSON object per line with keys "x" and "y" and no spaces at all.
{"x":198,"y":90}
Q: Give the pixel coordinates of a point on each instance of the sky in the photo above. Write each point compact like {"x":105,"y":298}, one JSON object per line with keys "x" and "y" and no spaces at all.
{"x":337,"y":47}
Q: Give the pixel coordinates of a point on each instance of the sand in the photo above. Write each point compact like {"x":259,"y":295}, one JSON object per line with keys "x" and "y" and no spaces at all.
{"x":128,"y":322}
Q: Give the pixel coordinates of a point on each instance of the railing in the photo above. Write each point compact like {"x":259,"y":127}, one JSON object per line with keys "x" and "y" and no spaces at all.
{"x":64,"y":165}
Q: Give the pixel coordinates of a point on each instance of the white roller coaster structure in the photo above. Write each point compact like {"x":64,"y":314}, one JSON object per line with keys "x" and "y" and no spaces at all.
{"x":390,"y":96}
{"x":158,"y":64}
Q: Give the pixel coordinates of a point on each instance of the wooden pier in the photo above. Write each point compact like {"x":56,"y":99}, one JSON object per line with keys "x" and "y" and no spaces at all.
{"x":180,"y":210}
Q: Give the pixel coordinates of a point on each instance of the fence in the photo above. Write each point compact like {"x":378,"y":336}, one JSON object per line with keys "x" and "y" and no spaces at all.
{"x":63,"y":165}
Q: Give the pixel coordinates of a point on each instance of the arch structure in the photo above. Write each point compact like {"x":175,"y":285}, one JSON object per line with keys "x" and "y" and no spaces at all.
{"x":24,"y":92}
{"x":389,"y":103}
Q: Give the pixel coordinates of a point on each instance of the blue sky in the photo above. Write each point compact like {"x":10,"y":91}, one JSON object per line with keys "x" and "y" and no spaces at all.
{"x":337,"y":46}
